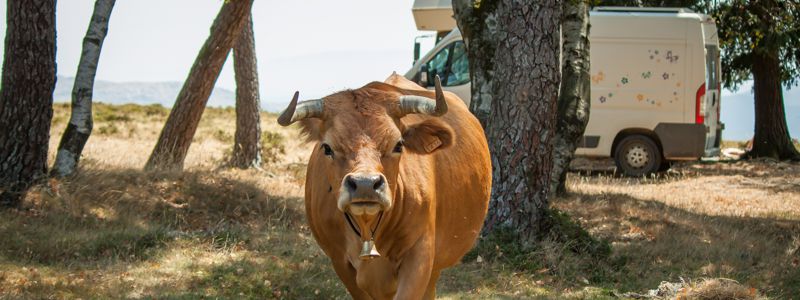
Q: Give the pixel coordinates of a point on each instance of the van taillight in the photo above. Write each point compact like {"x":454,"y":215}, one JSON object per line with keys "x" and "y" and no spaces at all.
{"x":699,"y":115}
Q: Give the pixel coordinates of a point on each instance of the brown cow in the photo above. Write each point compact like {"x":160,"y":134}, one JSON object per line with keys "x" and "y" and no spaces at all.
{"x":397,"y":186}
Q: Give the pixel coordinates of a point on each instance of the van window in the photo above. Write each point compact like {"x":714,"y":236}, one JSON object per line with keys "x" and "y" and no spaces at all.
{"x":450,"y":64}
{"x":712,"y":67}
{"x":459,"y":66}
{"x":438,"y":65}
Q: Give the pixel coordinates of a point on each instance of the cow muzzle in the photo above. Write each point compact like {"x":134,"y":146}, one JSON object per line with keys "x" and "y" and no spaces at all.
{"x":363,"y":193}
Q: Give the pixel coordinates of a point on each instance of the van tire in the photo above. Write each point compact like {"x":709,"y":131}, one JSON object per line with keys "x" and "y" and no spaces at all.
{"x":637,"y":155}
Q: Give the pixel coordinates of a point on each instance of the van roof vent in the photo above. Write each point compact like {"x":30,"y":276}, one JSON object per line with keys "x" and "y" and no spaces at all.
{"x":674,"y":10}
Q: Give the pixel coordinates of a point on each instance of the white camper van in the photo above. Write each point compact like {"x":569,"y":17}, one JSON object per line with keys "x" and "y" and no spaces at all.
{"x":655,"y":87}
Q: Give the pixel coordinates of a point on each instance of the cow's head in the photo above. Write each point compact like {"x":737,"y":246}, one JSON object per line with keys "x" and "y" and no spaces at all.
{"x":363,"y":140}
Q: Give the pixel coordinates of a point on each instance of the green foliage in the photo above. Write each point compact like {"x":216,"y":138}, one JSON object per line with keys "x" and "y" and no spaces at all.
{"x":565,"y":249}
{"x":108,"y":129}
{"x":223,"y":136}
{"x":66,"y":239}
{"x":126,"y":112}
{"x":272,"y":146}
{"x":110,"y":113}
{"x":219,"y":112}
{"x":764,"y":27}
{"x":562,"y":229}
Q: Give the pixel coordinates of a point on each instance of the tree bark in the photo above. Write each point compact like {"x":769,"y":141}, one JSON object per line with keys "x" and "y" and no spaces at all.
{"x":477,"y":24}
{"x":80,"y":122}
{"x":176,"y":137}
{"x":247,"y":146}
{"x":26,"y":95}
{"x":771,"y":137}
{"x":574,"y":97}
{"x":524,"y":74}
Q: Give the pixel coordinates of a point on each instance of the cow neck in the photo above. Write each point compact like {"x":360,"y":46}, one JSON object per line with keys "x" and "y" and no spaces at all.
{"x":356,"y":229}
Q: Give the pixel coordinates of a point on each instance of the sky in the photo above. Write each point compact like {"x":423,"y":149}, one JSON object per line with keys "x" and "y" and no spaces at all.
{"x":314,"y":46}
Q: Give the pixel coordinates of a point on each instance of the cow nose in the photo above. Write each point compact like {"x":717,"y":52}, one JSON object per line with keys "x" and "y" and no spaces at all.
{"x":364,"y":184}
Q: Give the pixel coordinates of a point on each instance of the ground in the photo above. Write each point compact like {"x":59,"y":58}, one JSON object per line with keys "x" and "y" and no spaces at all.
{"x":114,"y":231}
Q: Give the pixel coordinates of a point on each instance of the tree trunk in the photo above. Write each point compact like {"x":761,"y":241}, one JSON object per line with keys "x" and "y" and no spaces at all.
{"x":26,"y":95}
{"x":247,"y":146}
{"x":176,"y":137}
{"x":478,"y":30}
{"x":771,"y":134}
{"x":524,"y":78}
{"x":80,"y":122}
{"x":575,"y":94}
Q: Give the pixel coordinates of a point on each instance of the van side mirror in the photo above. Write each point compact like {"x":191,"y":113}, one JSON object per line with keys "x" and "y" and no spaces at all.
{"x":416,"y":52}
{"x":423,"y":76}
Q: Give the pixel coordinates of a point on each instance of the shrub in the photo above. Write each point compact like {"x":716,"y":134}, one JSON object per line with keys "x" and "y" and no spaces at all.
{"x":272,"y":146}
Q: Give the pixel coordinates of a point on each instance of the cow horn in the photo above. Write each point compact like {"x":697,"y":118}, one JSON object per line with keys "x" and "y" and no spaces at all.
{"x":298,"y":111}
{"x":412,"y":104}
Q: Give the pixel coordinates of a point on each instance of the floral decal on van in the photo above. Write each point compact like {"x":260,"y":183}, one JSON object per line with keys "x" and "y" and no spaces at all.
{"x":599,"y":77}
{"x":671,"y":58}
{"x":653,"y":53}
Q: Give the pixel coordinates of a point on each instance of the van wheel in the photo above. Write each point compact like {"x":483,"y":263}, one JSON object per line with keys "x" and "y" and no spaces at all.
{"x":637,"y":155}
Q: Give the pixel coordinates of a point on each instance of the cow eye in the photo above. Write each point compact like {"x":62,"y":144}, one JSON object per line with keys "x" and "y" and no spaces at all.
{"x":398,"y":148}
{"x":327,"y":149}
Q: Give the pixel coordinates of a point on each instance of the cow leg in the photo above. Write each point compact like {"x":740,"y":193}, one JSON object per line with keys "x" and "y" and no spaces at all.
{"x":376,"y":277}
{"x":430,"y":292}
{"x":347,"y":274}
{"x":415,"y":270}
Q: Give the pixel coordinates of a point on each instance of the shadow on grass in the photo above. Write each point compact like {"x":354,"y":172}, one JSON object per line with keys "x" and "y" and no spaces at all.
{"x":654,"y":242}
{"x":127,"y":215}
{"x":288,"y":265}
{"x":105,"y":219}
{"x":651,"y":242}
{"x":106,"y":232}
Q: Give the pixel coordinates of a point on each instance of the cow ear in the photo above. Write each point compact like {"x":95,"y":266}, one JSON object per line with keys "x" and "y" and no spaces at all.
{"x":311,"y":129}
{"x":428,"y":136}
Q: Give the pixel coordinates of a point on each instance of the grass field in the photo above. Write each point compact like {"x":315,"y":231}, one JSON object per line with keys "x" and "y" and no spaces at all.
{"x":717,"y":229}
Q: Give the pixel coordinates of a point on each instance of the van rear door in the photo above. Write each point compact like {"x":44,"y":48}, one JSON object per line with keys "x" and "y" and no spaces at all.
{"x":712,"y":101}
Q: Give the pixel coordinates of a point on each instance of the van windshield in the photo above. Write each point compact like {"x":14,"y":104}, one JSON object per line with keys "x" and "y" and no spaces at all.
{"x":451,"y":64}
{"x":712,"y":67}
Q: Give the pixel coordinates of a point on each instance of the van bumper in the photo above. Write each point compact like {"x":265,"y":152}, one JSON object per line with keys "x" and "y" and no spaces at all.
{"x":712,"y":152}
{"x":681,"y":141}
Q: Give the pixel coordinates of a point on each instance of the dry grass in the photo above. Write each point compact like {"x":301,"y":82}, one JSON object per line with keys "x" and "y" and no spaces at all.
{"x":728,"y":188}
{"x":114,"y":231}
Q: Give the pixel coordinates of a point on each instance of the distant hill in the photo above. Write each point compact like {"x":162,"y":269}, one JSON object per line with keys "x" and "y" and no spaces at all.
{"x":144,"y":93}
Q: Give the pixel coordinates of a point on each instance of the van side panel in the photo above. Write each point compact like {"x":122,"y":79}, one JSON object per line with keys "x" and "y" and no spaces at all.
{"x":639,"y":76}
{"x":646,"y":69}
